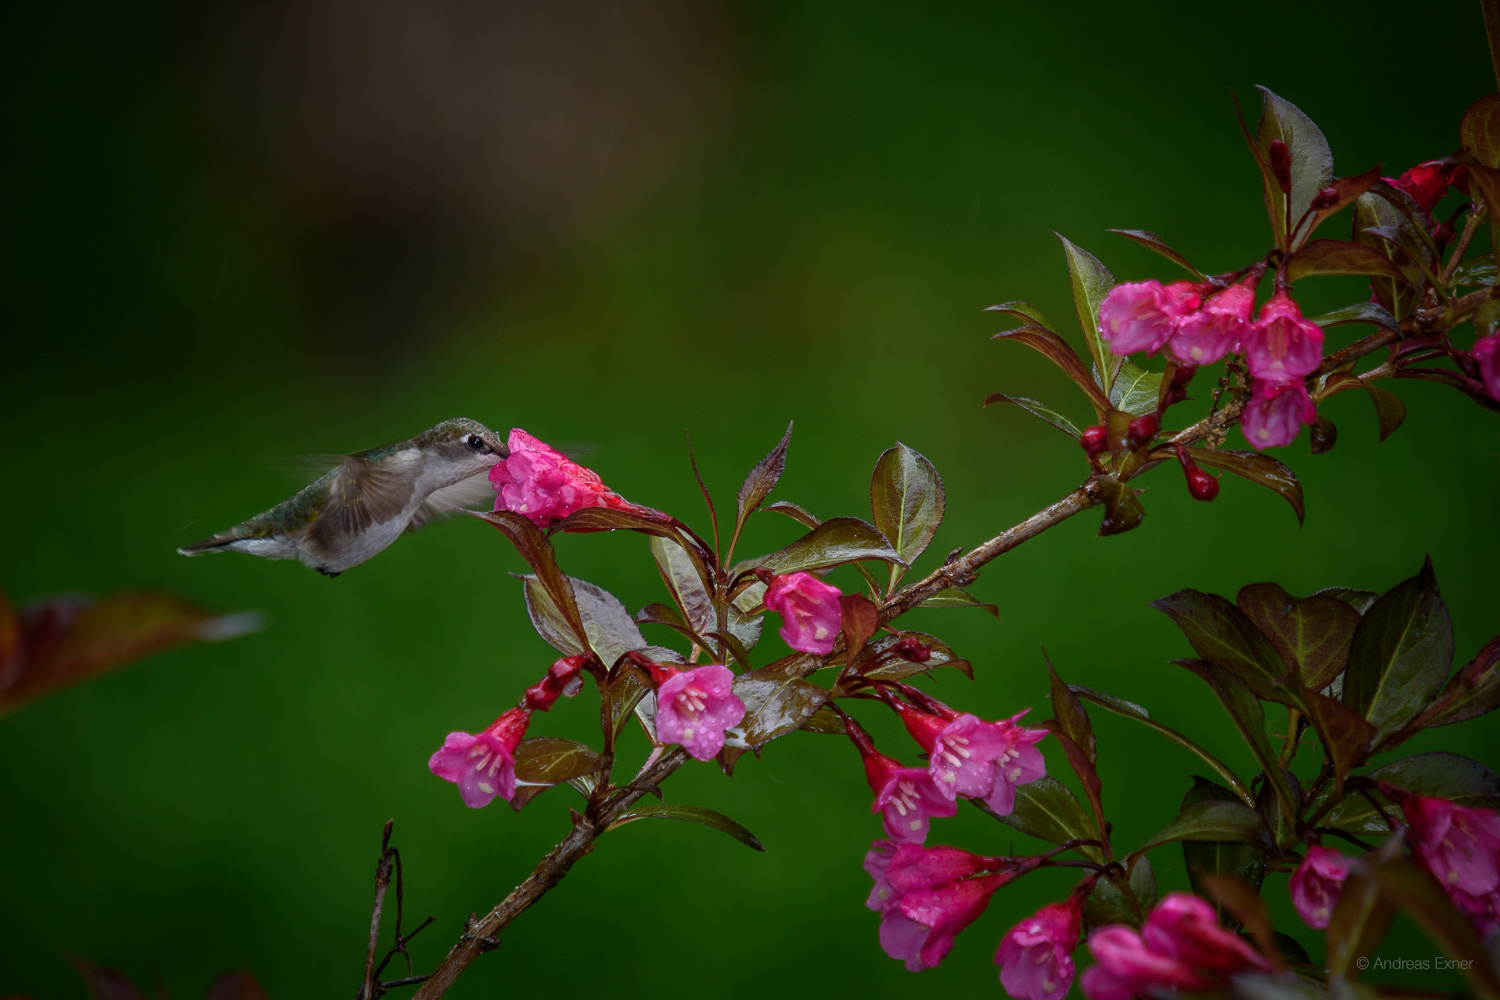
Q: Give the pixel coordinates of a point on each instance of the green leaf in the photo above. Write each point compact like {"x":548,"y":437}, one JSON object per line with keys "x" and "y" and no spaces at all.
{"x":1479,"y":131}
{"x":1222,"y":634}
{"x":1135,"y":390}
{"x":761,"y":480}
{"x":546,"y":761}
{"x":1156,"y":244}
{"x":1046,"y":810}
{"x":1133,"y":711}
{"x":1361,"y":312}
{"x":1257,"y":467}
{"x":957,"y":597}
{"x":680,"y":573}
{"x":1038,"y":410}
{"x":1479,"y":271}
{"x":1212,"y":821}
{"x":1249,"y":718}
{"x":692,"y":814}
{"x":1107,"y":904}
{"x":906,"y":499}
{"x":1401,"y":654}
{"x":1246,"y":862}
{"x":1091,"y":283}
{"x":837,"y":540}
{"x":1311,"y":635}
{"x":559,"y":607}
{"x":1312,"y":161}
{"x":1439,"y":774}
{"x":1056,"y":350}
{"x":775,"y":704}
{"x":896,"y":669}
{"x":1123,"y":510}
{"x":1322,"y":257}
{"x":1023,"y":311}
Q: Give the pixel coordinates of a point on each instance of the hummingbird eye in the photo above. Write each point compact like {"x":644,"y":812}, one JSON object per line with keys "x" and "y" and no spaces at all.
{"x":476,"y":442}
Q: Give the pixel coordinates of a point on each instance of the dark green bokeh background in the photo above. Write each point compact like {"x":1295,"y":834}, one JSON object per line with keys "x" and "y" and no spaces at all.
{"x":239,"y":232}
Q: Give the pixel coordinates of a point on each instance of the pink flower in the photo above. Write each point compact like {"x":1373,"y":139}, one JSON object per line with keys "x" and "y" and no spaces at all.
{"x":1281,"y":345}
{"x":1126,"y":967}
{"x":1185,"y":927}
{"x":1275,"y":413}
{"x":878,"y":863}
{"x":1487,"y":353}
{"x":902,"y":868}
{"x":1036,"y":957}
{"x":1460,"y":847}
{"x":1181,"y":946}
{"x":694,"y":707}
{"x":1316,"y":885}
{"x":905,"y":797}
{"x":1426,"y":182}
{"x":920,"y":927}
{"x":1141,"y":316}
{"x":546,"y":485}
{"x":810,"y":608}
{"x":975,"y":759}
{"x":483,"y":765}
{"x":1214,"y":330}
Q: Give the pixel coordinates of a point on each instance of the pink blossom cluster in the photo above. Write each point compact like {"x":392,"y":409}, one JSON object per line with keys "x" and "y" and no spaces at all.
{"x":1198,"y":325}
{"x":1180,"y":946}
{"x":1459,"y":846}
{"x":545,"y":485}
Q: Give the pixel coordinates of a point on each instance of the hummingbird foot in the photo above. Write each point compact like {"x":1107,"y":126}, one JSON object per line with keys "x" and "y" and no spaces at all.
{"x":327,"y":573}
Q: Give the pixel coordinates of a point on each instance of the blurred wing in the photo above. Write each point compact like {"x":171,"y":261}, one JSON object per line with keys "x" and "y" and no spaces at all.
{"x":359,"y":495}
{"x":466,"y":494}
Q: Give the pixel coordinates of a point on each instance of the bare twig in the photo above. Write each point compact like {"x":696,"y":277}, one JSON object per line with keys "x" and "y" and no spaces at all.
{"x":383,"y":868}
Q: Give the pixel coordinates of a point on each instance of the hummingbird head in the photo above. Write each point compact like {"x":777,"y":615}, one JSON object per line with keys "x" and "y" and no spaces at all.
{"x":467,"y":446}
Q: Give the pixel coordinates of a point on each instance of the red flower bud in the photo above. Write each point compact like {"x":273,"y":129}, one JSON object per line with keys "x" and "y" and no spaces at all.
{"x":1281,"y":165}
{"x":1143,"y":430}
{"x":1095,"y":440}
{"x":913,"y":649}
{"x":1200,"y":484}
{"x":1325,"y":198}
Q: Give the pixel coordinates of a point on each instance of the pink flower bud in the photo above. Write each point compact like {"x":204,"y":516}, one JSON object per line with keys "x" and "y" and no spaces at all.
{"x":810,"y":611}
{"x":1281,"y":165}
{"x":546,"y":485}
{"x":1036,"y":957}
{"x":1126,"y":967}
{"x":562,"y":678}
{"x":1095,"y":439}
{"x":1460,"y":847}
{"x":482,"y":765}
{"x":1316,"y":885}
{"x":1275,"y":413}
{"x":695,"y":707}
{"x":1487,"y":353}
{"x":1185,"y":927}
{"x":1141,"y":316}
{"x":1427,"y":182}
{"x":1180,"y":946}
{"x":1281,"y":345}
{"x":1326,"y":198}
{"x":1218,"y":328}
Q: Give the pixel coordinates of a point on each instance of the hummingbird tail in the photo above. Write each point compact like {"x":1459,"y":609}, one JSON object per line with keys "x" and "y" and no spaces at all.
{"x":222,"y":540}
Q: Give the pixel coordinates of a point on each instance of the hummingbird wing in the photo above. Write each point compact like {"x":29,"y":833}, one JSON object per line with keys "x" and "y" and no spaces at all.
{"x":360,"y":494}
{"x":466,"y":494}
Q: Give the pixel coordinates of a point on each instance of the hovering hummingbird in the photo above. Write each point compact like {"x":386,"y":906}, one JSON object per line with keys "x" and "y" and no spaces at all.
{"x":369,"y":498}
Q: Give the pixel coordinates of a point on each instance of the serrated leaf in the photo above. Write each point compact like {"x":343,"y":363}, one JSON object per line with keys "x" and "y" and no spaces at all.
{"x":691,"y":814}
{"x":609,"y":629}
{"x":957,"y":597}
{"x":1056,"y":350}
{"x":1123,"y":510}
{"x":1323,"y":257}
{"x":1311,"y":635}
{"x":775,"y":704}
{"x":1091,"y":283}
{"x":1046,"y":810}
{"x":1439,"y":774}
{"x":1401,"y":654}
{"x":1479,"y":130}
{"x":1223,"y":635}
{"x":1156,"y":244}
{"x":906,"y":499}
{"x":1131,"y":710}
{"x":1212,"y":821}
{"x":896,"y":669}
{"x":1039,"y":411}
{"x":834,"y":542}
{"x":761,"y":480}
{"x":1135,"y":390}
{"x":1023,"y":311}
{"x":1108,"y":905}
{"x":1249,"y":717}
{"x":1361,"y":312}
{"x":1312,"y":161}
{"x":1260,"y":469}
{"x":1246,"y":862}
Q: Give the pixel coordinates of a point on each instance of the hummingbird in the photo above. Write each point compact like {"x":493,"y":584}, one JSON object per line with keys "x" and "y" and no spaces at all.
{"x":367,"y":499}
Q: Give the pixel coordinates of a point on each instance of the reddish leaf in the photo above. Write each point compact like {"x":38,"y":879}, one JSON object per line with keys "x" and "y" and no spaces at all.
{"x":861,"y":619}
{"x":1340,"y":257}
{"x":1155,"y":243}
{"x":1258,"y":468}
{"x":1479,"y":131}
{"x":1039,"y":338}
{"x":1122,"y":508}
{"x":1345,"y":735}
{"x":104,"y":984}
{"x":1349,"y":189}
{"x":761,"y":480}
{"x":1312,"y":635}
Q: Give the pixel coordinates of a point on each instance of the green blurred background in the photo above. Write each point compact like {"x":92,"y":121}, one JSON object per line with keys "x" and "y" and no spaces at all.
{"x":240,"y":232}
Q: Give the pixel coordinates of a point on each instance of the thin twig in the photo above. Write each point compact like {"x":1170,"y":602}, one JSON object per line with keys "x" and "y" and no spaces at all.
{"x":383,"y":867}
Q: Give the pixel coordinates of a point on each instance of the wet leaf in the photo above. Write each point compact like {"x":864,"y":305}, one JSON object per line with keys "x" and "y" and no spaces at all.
{"x":1257,"y":467}
{"x":1361,"y":312}
{"x":679,"y":571}
{"x":1072,"y":720}
{"x":1131,"y":710}
{"x":559,"y":609}
{"x":1063,"y":356}
{"x":957,"y":597}
{"x":1311,"y":635}
{"x":1038,"y":410}
{"x":1322,"y":257}
{"x":1402,"y":651}
{"x":1246,"y":862}
{"x":1135,"y":390}
{"x":1156,"y":244}
{"x":53,"y":644}
{"x":1349,"y":189}
{"x":608,"y":629}
{"x":860,"y":620}
{"x":692,"y":814}
{"x":775,"y":704}
{"x":1108,"y":905}
{"x":1325,"y":434}
{"x":1346,"y":736}
{"x":1359,"y":600}
{"x":1439,"y":774}
{"x":662,"y":614}
{"x":1212,"y":821}
{"x":1249,"y":717}
{"x":1123,"y":510}
{"x":1479,"y":130}
{"x":1312,"y":161}
{"x":1091,"y":283}
{"x":761,"y":480}
{"x":1046,"y":810}
{"x":896,"y":669}
{"x":906,"y":499}
{"x":1478,"y":271}
{"x":835,"y":541}
{"x":551,"y":760}
{"x":1222,"y":634}
{"x":647,"y":523}
{"x":825,"y":720}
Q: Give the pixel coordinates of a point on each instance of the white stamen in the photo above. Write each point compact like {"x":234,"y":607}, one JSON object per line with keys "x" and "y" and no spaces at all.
{"x":487,"y":788}
{"x":900,"y":804}
{"x":820,"y":633}
{"x":952,"y":759}
{"x":687,"y":732}
{"x":483,"y":762}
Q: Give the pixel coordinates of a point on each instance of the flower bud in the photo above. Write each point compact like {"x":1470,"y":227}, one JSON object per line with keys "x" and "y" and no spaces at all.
{"x":1095,"y":440}
{"x":913,"y":650}
{"x":1200,"y":484}
{"x":1143,"y":430}
{"x":1326,"y":198}
{"x":1281,"y":165}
